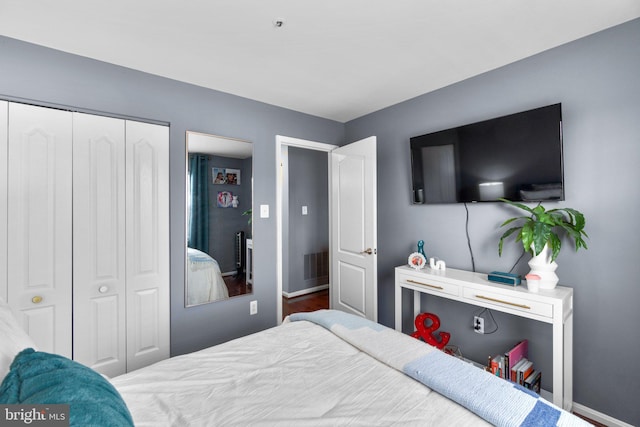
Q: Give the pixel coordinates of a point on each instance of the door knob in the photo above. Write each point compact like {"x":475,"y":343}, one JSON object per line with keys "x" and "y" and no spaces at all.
{"x":37,"y":299}
{"x":368,"y":251}
{"x":102,"y":289}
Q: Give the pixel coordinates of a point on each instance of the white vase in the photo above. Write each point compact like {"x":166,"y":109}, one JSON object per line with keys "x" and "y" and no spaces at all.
{"x":542,"y":265}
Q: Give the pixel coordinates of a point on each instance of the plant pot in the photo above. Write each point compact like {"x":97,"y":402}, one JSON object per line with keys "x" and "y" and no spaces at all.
{"x":542,"y":266}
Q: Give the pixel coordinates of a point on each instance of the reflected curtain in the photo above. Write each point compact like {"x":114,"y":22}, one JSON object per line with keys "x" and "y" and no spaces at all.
{"x":199,"y":202}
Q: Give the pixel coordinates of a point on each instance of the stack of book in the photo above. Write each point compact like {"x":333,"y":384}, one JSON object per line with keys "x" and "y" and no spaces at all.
{"x":515,"y":366}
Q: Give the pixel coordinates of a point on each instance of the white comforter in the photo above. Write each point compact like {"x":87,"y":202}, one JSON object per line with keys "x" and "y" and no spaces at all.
{"x":297,"y":374}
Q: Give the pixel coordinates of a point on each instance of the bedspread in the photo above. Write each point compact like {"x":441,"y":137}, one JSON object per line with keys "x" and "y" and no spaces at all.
{"x":500,"y":402}
{"x":296,"y":374}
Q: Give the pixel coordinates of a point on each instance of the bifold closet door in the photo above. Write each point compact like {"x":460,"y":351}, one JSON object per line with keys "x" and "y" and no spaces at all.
{"x":99,"y":290}
{"x":147,"y":246}
{"x":39,"y":227}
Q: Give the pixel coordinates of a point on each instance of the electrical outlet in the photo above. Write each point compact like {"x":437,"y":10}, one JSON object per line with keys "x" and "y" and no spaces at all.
{"x":253,"y":307}
{"x":478,"y":324}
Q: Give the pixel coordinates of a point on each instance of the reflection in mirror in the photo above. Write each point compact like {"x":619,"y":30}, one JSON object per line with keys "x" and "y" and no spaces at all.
{"x":218,"y":208}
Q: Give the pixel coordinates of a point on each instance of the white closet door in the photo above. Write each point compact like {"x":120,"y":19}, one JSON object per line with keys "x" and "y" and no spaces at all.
{"x":4,"y":116}
{"x":147,"y":194}
{"x":99,"y":290}
{"x":39,"y":224}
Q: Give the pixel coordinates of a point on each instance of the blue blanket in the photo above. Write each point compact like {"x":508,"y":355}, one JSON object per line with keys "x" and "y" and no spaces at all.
{"x":500,"y":402}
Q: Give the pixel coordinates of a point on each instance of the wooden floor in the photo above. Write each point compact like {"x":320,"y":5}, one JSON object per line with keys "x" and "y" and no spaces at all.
{"x":595,"y":423}
{"x":310,"y":302}
{"x":237,"y":285}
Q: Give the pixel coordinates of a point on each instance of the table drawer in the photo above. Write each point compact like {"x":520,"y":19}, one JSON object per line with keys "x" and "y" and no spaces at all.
{"x":508,"y":301}
{"x":430,"y":286}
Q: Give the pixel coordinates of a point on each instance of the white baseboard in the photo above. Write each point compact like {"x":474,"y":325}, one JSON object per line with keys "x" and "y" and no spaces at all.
{"x":305,"y":291}
{"x":594,"y":415}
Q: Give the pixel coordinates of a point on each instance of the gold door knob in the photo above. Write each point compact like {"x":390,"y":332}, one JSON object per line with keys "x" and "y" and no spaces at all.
{"x":368,"y":251}
{"x":37,"y":299}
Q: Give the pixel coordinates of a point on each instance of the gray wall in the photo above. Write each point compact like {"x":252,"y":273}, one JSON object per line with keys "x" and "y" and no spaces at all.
{"x":597,"y":81}
{"x":51,"y":77}
{"x":308,"y":234}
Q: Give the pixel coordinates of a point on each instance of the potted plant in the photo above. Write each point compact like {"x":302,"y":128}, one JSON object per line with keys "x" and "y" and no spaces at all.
{"x":249,"y":213}
{"x":538,"y":233}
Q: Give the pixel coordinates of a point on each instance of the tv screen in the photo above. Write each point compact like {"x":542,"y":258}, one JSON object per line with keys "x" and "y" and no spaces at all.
{"x":517,"y":157}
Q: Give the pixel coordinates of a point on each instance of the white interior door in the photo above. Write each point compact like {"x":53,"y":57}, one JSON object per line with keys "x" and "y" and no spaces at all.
{"x":99,"y":243}
{"x":353,"y":224}
{"x":39,"y":267}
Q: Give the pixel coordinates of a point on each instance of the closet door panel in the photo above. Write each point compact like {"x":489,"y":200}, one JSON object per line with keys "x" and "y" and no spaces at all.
{"x":4,"y":117}
{"x":39,"y":267}
{"x":99,"y":243}
{"x":147,"y":243}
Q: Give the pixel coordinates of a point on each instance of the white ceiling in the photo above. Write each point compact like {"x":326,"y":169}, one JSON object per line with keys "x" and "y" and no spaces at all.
{"x":338,"y":59}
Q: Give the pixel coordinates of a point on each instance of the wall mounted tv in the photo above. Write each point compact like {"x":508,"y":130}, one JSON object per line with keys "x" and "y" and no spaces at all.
{"x":518,"y":157}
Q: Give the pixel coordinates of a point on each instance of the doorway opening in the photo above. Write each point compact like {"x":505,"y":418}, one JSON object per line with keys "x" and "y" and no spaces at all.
{"x":302,"y":225}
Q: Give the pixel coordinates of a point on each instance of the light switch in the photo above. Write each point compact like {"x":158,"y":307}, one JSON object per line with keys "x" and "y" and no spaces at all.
{"x":264,"y":211}
{"x":304,"y":210}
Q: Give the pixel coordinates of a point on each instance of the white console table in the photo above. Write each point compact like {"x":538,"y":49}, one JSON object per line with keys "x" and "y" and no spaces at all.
{"x":549,"y":306}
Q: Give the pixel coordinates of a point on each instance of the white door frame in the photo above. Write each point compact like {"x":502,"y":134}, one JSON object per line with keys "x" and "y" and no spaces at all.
{"x":282,"y":145}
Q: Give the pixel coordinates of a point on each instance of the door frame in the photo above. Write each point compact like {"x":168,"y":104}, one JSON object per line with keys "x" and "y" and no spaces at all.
{"x":282,"y":145}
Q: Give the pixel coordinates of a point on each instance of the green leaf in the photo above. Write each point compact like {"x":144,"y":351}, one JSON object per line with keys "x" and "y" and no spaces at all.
{"x":510,"y":220}
{"x":506,"y":234}
{"x":556,"y":244}
{"x":518,"y":205}
{"x":527,"y":235}
{"x":541,"y":232}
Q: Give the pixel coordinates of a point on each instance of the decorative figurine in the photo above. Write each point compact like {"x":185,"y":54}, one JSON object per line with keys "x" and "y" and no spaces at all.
{"x":437,"y":264}
{"x":427,"y":333}
{"x":417,"y":261}
{"x":421,"y":248}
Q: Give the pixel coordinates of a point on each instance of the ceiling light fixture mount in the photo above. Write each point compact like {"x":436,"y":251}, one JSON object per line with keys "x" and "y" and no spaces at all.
{"x":278,"y":23}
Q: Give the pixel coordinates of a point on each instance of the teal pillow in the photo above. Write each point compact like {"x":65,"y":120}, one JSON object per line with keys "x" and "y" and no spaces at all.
{"x":39,"y":378}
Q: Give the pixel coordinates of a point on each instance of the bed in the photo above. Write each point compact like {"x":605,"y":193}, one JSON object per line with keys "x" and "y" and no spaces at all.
{"x":324,"y":368}
{"x":204,"y":279}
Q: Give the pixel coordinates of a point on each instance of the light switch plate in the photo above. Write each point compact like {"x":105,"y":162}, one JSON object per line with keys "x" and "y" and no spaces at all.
{"x":264,"y":211}
{"x":304,"y":210}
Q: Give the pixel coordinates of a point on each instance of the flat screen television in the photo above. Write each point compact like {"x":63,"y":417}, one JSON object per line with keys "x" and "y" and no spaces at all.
{"x":517,"y":157}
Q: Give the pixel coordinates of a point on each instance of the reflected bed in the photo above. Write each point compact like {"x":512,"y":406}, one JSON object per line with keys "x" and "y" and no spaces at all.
{"x":205,"y":282}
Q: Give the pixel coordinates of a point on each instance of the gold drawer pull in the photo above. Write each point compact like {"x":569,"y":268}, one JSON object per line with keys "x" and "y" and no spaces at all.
{"x":37,"y":299}
{"x":504,"y":302}
{"x":425,"y":284}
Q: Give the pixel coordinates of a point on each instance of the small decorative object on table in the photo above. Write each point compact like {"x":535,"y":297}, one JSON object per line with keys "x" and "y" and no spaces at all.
{"x":437,"y":264}
{"x":533,"y":282}
{"x":421,"y":248}
{"x":417,"y":261}
{"x":427,"y":333}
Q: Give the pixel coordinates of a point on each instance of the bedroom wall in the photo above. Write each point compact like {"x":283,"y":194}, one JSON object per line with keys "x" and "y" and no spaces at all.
{"x":50,"y":77}
{"x":596,"y":80}
{"x":308,"y":234}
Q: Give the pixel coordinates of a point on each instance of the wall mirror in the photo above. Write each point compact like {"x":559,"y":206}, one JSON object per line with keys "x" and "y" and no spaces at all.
{"x":219,"y":198}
